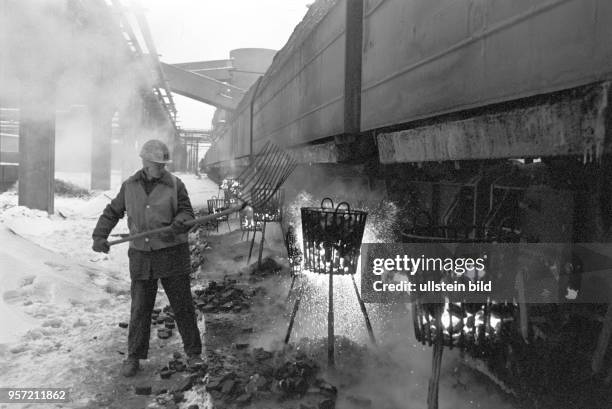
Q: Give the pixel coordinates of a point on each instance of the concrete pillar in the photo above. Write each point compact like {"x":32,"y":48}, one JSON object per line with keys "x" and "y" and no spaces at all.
{"x":101,"y":133}
{"x":37,"y":146}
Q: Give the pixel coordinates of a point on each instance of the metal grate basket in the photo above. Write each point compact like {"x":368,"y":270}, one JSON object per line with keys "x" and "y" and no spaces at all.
{"x":462,"y":324}
{"x":248,"y":223}
{"x":216,"y":205}
{"x":456,"y":322}
{"x":332,"y":237}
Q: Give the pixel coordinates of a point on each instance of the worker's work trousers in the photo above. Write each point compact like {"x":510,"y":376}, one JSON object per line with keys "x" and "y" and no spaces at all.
{"x":178,"y":291}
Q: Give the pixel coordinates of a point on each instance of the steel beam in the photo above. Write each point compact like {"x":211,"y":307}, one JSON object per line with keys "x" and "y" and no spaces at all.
{"x":321,"y":153}
{"x":222,"y":73}
{"x":195,"y":66}
{"x":568,"y":123}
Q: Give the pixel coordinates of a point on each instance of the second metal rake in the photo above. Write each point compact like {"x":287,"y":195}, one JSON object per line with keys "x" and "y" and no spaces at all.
{"x":258,"y":184}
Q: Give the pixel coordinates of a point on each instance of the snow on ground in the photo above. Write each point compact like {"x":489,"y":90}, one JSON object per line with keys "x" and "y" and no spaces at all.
{"x":60,"y":301}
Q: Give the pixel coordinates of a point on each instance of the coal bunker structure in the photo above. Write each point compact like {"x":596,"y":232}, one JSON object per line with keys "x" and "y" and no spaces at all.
{"x":486,"y":122}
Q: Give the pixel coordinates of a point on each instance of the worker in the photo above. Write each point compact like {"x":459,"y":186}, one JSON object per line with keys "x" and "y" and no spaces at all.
{"x":154,"y":198}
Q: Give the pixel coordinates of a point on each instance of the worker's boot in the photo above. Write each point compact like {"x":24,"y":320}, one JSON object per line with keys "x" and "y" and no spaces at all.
{"x":130,"y":367}
{"x":195,"y":361}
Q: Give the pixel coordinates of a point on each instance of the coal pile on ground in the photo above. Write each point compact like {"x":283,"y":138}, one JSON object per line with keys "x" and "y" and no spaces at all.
{"x":269,"y":267}
{"x":68,"y":189}
{"x":176,"y":378}
{"x":177,"y":364}
{"x":238,"y":375}
{"x":226,"y":296}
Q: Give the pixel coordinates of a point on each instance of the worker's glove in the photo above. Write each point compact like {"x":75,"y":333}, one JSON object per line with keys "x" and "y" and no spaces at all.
{"x":100,"y":245}
{"x":178,"y":224}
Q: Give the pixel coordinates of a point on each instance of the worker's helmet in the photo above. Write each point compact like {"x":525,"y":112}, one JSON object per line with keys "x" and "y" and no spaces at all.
{"x":155,"y":151}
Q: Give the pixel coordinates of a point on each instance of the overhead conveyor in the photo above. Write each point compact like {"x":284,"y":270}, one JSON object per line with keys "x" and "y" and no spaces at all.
{"x":219,"y":70}
{"x":202,"y":88}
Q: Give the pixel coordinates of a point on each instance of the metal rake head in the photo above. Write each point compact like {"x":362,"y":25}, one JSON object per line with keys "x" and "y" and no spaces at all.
{"x":265,"y":175}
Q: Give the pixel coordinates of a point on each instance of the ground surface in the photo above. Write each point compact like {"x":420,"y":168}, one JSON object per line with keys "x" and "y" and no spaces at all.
{"x":62,"y":303}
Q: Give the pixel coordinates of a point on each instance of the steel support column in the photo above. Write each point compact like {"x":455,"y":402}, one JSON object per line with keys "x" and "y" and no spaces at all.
{"x":352,"y":67}
{"x":347,"y":144}
{"x":37,"y":147}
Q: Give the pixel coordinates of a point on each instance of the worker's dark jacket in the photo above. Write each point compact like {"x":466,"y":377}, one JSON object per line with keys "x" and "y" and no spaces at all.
{"x":151,"y":204}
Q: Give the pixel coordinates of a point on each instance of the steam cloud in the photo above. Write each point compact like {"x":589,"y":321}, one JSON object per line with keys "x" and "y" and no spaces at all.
{"x":72,"y":55}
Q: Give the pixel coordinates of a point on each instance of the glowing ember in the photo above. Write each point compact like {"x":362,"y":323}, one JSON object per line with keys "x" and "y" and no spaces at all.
{"x":462,"y":324}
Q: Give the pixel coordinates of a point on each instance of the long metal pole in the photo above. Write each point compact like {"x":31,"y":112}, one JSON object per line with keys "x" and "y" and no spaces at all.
{"x":252,"y":242}
{"x":434,"y":381}
{"x":330,"y":324}
{"x":364,"y":311}
{"x":291,"y":286}
{"x":296,"y":306}
{"x":261,"y":243}
{"x":193,"y":222}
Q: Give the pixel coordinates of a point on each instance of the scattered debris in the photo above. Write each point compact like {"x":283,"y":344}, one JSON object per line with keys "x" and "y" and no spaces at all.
{"x":269,"y":266}
{"x":142,"y":389}
{"x":166,"y":373}
{"x":226,"y":296}
{"x":243,"y":375}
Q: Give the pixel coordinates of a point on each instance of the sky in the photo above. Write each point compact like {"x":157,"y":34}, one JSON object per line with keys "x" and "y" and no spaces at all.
{"x":200,"y":30}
